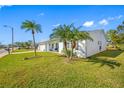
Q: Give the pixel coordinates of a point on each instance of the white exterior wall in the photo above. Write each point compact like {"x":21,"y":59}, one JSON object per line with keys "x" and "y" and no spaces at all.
{"x":47,"y":46}
{"x":93,"y":46}
{"x":61,"y":46}
{"x":86,"y":48}
{"x":81,"y":52}
{"x":42,"y":47}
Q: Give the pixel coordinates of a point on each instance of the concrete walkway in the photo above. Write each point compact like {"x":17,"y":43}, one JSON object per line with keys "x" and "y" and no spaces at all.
{"x":3,"y":53}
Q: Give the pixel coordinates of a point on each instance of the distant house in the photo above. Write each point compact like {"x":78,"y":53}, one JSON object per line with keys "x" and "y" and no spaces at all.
{"x":85,"y":48}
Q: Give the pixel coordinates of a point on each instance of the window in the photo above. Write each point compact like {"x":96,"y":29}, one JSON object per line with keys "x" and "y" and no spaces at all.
{"x":100,"y":48}
{"x":52,"y":46}
{"x":57,"y":45}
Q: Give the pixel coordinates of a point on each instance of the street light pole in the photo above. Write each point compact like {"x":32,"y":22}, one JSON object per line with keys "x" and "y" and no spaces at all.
{"x":12,"y":29}
{"x":12,"y":39}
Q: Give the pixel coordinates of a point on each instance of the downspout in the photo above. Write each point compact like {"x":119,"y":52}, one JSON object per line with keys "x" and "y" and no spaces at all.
{"x":85,"y":48}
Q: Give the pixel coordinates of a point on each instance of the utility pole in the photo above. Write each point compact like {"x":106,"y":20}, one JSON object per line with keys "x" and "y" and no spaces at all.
{"x":12,"y":29}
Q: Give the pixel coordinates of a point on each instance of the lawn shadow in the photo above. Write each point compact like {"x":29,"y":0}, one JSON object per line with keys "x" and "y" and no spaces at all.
{"x":104,"y":62}
{"x":108,"y":58}
{"x":43,"y":56}
{"x":110,"y":53}
{"x":29,"y":58}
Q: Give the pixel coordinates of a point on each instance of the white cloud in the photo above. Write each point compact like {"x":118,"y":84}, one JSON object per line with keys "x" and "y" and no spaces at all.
{"x":88,"y":23}
{"x":56,"y":25}
{"x":115,"y":17}
{"x":120,"y":16}
{"x":1,"y":6}
{"x":107,"y":20}
{"x":111,"y":18}
{"x":103,"y":22}
{"x":41,"y":14}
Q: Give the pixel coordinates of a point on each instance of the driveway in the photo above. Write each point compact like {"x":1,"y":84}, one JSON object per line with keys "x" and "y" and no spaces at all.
{"x":3,"y":53}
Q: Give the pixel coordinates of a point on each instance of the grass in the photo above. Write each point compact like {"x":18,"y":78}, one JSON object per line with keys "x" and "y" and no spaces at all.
{"x":121,"y":46}
{"x":105,"y":69}
{"x":1,"y":48}
{"x":22,"y":50}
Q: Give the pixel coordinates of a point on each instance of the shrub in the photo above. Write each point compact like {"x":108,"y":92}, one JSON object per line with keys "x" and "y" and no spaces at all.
{"x":67,"y":53}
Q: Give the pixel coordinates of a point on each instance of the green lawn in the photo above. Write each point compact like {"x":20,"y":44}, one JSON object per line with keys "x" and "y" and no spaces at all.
{"x":1,"y":48}
{"x":51,"y":70}
{"x":121,"y":46}
{"x":22,"y":50}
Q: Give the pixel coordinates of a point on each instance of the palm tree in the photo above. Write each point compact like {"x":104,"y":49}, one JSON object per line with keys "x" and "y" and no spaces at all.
{"x":28,"y":44}
{"x":120,"y":30}
{"x":77,"y":35}
{"x":62,"y":32}
{"x":114,"y":37}
{"x":69,"y":33}
{"x":34,"y":28}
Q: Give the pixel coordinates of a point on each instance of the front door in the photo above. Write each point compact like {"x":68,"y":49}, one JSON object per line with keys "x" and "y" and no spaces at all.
{"x":100,"y":45}
{"x":57,"y":47}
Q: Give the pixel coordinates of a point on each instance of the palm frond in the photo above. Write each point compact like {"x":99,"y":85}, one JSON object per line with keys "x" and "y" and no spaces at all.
{"x":31,"y":25}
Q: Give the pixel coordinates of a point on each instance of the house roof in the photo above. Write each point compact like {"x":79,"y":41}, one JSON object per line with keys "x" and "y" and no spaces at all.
{"x":51,"y":40}
{"x":94,"y":31}
{"x":89,"y":31}
{"x":99,"y":30}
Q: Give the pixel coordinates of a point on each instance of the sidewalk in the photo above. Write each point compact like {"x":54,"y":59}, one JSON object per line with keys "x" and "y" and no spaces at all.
{"x":3,"y":53}
{"x":22,"y":52}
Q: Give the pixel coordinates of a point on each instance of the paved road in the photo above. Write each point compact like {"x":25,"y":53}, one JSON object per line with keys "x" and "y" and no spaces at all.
{"x":3,"y":53}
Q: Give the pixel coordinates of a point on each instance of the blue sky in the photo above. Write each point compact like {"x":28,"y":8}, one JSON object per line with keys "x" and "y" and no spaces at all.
{"x":89,"y":17}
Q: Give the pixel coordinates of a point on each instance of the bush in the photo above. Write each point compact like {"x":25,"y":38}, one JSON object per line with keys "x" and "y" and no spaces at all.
{"x":67,"y":53}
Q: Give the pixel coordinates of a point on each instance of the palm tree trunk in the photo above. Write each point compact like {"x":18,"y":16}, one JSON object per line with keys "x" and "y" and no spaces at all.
{"x":73,"y":45}
{"x":65,"y":46}
{"x":72,"y":48}
{"x":34,"y":44}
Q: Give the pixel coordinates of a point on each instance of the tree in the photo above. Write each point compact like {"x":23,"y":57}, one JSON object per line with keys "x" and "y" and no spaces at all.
{"x":62,"y":32}
{"x":76,"y":35}
{"x":2,"y":45}
{"x":120,"y":30}
{"x":28,"y":44}
{"x":121,"y":37}
{"x":34,"y":28}
{"x":69,"y":33}
{"x":114,"y":37}
{"x":18,"y":44}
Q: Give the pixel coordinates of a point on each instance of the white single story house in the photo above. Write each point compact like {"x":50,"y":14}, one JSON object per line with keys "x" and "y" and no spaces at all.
{"x":85,"y":48}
